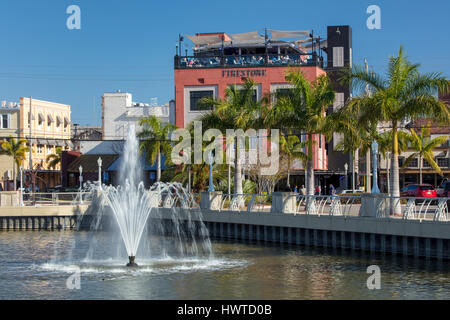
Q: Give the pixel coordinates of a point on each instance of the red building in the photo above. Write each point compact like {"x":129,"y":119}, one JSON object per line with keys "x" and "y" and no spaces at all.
{"x":220,"y":60}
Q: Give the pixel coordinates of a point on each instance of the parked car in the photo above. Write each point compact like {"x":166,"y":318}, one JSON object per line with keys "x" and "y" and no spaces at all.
{"x":444,"y":189}
{"x":418,"y":190}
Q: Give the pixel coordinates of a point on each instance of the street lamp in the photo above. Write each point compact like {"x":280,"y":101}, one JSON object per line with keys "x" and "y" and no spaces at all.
{"x":80,"y":169}
{"x":345,"y":175}
{"x":21,"y":186}
{"x":211,"y":161}
{"x":375,"y":167}
{"x":99,"y":162}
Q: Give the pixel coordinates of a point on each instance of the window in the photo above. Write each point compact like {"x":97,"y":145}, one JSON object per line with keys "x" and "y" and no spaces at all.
{"x":338,"y":56}
{"x":196,"y":96}
{"x":254,"y":95}
{"x":413,"y":163}
{"x":49,"y":149}
{"x":426,"y":164}
{"x":442,"y":162}
{"x":401,"y":161}
{"x":5,"y":121}
{"x":39,"y":148}
{"x":338,"y":101}
{"x":284,"y":92}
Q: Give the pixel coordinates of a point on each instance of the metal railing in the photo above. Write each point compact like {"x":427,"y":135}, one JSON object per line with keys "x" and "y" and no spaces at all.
{"x":56,"y":198}
{"x":237,"y":61}
{"x":385,"y":207}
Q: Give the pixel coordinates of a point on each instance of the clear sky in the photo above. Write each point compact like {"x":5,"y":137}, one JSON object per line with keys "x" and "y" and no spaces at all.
{"x":129,"y":45}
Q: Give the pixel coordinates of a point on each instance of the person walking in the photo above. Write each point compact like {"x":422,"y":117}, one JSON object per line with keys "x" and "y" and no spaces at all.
{"x":296,"y":189}
{"x":303,"y":190}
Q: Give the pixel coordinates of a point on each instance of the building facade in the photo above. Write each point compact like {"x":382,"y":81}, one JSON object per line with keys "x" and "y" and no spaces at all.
{"x":9,"y":127}
{"x":46,"y":129}
{"x":119,"y":112}
{"x":220,"y":60}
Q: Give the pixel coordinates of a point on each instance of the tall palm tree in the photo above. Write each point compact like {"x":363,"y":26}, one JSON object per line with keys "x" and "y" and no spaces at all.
{"x":53,"y":160}
{"x":238,"y":110}
{"x":156,"y":140}
{"x":292,"y":147}
{"x":404,"y":94}
{"x":424,"y":146}
{"x":15,"y":149}
{"x":303,"y":110}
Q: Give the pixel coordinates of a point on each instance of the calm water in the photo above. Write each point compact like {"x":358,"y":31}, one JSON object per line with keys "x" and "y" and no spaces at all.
{"x":238,"y":270}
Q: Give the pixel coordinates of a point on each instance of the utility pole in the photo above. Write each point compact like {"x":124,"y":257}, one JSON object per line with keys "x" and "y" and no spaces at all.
{"x":368,"y":187}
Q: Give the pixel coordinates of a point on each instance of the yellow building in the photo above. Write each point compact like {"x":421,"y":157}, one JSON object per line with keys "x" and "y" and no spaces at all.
{"x":50,"y":128}
{"x":9,"y":126}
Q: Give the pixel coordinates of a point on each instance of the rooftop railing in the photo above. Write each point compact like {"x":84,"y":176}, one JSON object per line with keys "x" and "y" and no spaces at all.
{"x":236,"y":61}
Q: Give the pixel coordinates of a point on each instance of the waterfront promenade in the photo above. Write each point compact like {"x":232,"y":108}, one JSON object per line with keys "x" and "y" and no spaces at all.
{"x":348,"y":222}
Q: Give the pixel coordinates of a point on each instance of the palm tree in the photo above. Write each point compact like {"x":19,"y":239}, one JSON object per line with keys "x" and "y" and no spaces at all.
{"x":15,"y":149}
{"x":424,"y":145}
{"x":53,"y":160}
{"x":404,"y":94}
{"x":304,"y":110}
{"x":292,"y":147}
{"x":237,"y":111}
{"x":156,"y":141}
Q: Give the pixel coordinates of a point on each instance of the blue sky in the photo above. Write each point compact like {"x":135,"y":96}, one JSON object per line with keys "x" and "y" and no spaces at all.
{"x":129,"y":45}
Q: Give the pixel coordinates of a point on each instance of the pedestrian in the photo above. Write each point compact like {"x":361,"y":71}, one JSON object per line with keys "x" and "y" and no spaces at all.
{"x":296,"y":189}
{"x":317,"y":191}
{"x":303,"y":190}
{"x":332,"y":190}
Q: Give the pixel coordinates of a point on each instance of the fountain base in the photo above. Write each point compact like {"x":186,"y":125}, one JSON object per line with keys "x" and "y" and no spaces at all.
{"x":131,"y":262}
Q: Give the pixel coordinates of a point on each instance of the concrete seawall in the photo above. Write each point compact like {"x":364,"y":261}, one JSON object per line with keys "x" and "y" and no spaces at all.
{"x":40,"y":218}
{"x":404,"y":237}
{"x":430,"y":239}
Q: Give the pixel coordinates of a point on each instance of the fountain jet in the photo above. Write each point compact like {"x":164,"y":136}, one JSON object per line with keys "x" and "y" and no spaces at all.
{"x":131,"y":262}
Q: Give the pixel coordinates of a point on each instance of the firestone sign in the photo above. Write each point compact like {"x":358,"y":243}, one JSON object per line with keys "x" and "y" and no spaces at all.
{"x":243,"y":73}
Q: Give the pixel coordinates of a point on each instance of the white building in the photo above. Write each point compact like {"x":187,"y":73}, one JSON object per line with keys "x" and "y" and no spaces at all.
{"x":119,"y":111}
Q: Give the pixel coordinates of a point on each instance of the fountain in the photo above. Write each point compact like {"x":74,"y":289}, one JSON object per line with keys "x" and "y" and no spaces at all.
{"x":131,"y":205}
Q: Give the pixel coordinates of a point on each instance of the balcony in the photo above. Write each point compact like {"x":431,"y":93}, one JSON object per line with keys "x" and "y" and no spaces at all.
{"x":243,"y":61}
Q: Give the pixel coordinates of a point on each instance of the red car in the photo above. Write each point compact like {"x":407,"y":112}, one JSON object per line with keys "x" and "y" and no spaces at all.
{"x":419,"y":190}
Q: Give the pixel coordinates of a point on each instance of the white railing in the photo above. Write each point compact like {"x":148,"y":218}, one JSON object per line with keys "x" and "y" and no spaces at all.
{"x":56,"y":198}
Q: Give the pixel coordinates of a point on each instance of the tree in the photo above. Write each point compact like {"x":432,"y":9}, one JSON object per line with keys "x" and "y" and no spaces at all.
{"x":155,"y":135}
{"x":292,"y":147}
{"x":303,"y":110}
{"x":53,"y":160}
{"x":238,"y":110}
{"x":404,"y":94}
{"x":15,"y":149}
{"x":424,"y":145}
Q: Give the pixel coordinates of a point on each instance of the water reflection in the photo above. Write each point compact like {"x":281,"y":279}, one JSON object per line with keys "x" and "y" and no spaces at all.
{"x":240,"y":270}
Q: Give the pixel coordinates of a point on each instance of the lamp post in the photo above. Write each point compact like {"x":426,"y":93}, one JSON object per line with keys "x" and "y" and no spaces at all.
{"x":345,"y":175}
{"x":99,"y":162}
{"x":211,"y":161}
{"x":80,"y":169}
{"x":375,"y":167}
{"x":21,"y":186}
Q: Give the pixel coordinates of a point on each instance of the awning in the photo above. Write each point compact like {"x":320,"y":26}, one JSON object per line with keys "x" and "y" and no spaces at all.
{"x":41,"y":117}
{"x":50,"y":118}
{"x":51,"y":142}
{"x":198,"y":40}
{"x":58,"y":119}
{"x":241,"y":37}
{"x":66,"y":121}
{"x":279,"y":34}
